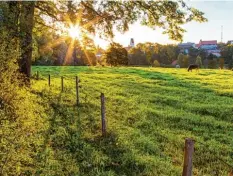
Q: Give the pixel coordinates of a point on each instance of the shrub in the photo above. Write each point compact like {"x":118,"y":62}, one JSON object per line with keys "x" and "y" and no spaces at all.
{"x":230,"y":63}
{"x":185,"y":62}
{"x":180,"y":59}
{"x":156,"y":63}
{"x":198,"y":61}
{"x":20,"y":116}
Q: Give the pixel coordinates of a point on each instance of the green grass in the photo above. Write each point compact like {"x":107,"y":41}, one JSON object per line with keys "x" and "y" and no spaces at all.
{"x":149,"y":111}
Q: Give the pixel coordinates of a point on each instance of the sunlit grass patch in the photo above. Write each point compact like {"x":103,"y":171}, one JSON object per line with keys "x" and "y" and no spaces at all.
{"x":149,"y":113}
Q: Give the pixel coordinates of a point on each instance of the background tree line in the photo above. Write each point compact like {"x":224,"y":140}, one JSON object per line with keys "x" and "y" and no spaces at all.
{"x":143,"y":54}
{"x":154,"y":54}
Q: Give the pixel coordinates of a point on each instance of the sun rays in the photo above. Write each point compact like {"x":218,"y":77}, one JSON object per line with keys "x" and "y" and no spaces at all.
{"x":75,"y":32}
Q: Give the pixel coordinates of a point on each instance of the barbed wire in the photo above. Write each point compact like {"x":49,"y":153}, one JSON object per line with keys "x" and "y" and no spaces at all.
{"x":220,"y":159}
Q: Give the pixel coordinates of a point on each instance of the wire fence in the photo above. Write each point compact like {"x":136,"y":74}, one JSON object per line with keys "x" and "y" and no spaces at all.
{"x":212,"y":162}
{"x":203,"y":160}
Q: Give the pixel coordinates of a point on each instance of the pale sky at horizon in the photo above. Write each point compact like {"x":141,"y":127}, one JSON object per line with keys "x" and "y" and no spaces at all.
{"x":218,"y":13}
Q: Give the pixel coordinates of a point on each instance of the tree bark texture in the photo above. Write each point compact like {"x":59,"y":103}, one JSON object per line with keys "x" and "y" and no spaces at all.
{"x":26,"y":27}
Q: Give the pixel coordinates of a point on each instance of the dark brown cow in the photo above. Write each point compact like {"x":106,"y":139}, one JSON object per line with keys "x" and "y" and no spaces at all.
{"x":193,"y":66}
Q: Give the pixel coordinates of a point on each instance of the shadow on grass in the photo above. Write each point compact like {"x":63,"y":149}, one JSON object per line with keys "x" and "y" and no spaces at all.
{"x":177,"y":93}
{"x":76,"y":131}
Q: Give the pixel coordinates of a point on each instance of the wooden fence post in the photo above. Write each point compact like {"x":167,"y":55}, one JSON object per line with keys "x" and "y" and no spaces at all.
{"x":103,"y":120}
{"x":62,"y":84}
{"x":188,"y":154}
{"x":49,"y":80}
{"x":37,"y":75}
{"x":77,"y":95}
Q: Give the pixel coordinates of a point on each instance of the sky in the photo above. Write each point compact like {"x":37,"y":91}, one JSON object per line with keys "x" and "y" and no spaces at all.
{"x":218,"y":13}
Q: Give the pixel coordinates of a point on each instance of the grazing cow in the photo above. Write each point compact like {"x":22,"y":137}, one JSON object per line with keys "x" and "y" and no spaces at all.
{"x":193,"y":66}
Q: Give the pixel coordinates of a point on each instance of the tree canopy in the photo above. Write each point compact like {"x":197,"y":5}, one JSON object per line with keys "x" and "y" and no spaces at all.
{"x":105,"y":16}
{"x":93,"y":17}
{"x":116,"y":54}
{"x":227,"y":54}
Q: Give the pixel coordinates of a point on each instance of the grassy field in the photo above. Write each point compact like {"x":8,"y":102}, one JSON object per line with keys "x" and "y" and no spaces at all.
{"x":150,"y":111}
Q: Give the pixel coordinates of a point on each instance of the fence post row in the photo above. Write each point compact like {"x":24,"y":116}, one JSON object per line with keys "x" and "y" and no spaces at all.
{"x":189,"y":143}
{"x":103,"y":120}
{"x":188,"y":153}
{"x":49,"y":80}
{"x":77,"y":93}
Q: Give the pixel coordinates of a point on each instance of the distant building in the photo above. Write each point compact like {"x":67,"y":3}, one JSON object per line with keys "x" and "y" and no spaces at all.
{"x":99,"y":52}
{"x":206,"y":45}
{"x":184,"y":47}
{"x":131,"y":44}
{"x":210,"y":46}
{"x":230,"y":42}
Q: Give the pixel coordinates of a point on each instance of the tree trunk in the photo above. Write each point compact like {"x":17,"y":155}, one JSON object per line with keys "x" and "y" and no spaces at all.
{"x":26,"y":26}
{"x":12,"y":19}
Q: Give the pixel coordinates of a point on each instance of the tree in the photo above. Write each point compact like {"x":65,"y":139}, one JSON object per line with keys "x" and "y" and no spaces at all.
{"x":137,"y":56}
{"x":227,"y":54}
{"x":221,"y":45}
{"x":221,"y":63}
{"x":198,"y":61}
{"x":99,"y":56}
{"x":230,"y":65}
{"x":147,"y":53}
{"x":59,"y":54}
{"x":193,"y":52}
{"x":156,"y":63}
{"x":205,"y":63}
{"x":116,"y":54}
{"x":185,"y":61}
{"x":26,"y":26}
{"x":180,"y":59}
{"x":212,"y":63}
{"x":102,"y":16}
{"x":89,"y":50}
{"x":167,"y":53}
{"x":149,"y":49}
{"x":210,"y":56}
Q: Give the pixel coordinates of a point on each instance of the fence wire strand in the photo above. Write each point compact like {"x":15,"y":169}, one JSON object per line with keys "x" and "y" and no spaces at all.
{"x":220,"y":159}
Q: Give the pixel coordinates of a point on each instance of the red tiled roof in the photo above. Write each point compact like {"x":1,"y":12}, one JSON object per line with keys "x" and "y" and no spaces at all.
{"x":208,"y":42}
{"x":128,"y":48}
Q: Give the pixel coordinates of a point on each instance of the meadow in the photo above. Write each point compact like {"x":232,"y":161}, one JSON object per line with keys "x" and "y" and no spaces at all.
{"x":149,"y":111}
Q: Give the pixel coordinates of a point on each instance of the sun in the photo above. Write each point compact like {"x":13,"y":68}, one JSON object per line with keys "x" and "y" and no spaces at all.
{"x":74,"y":32}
